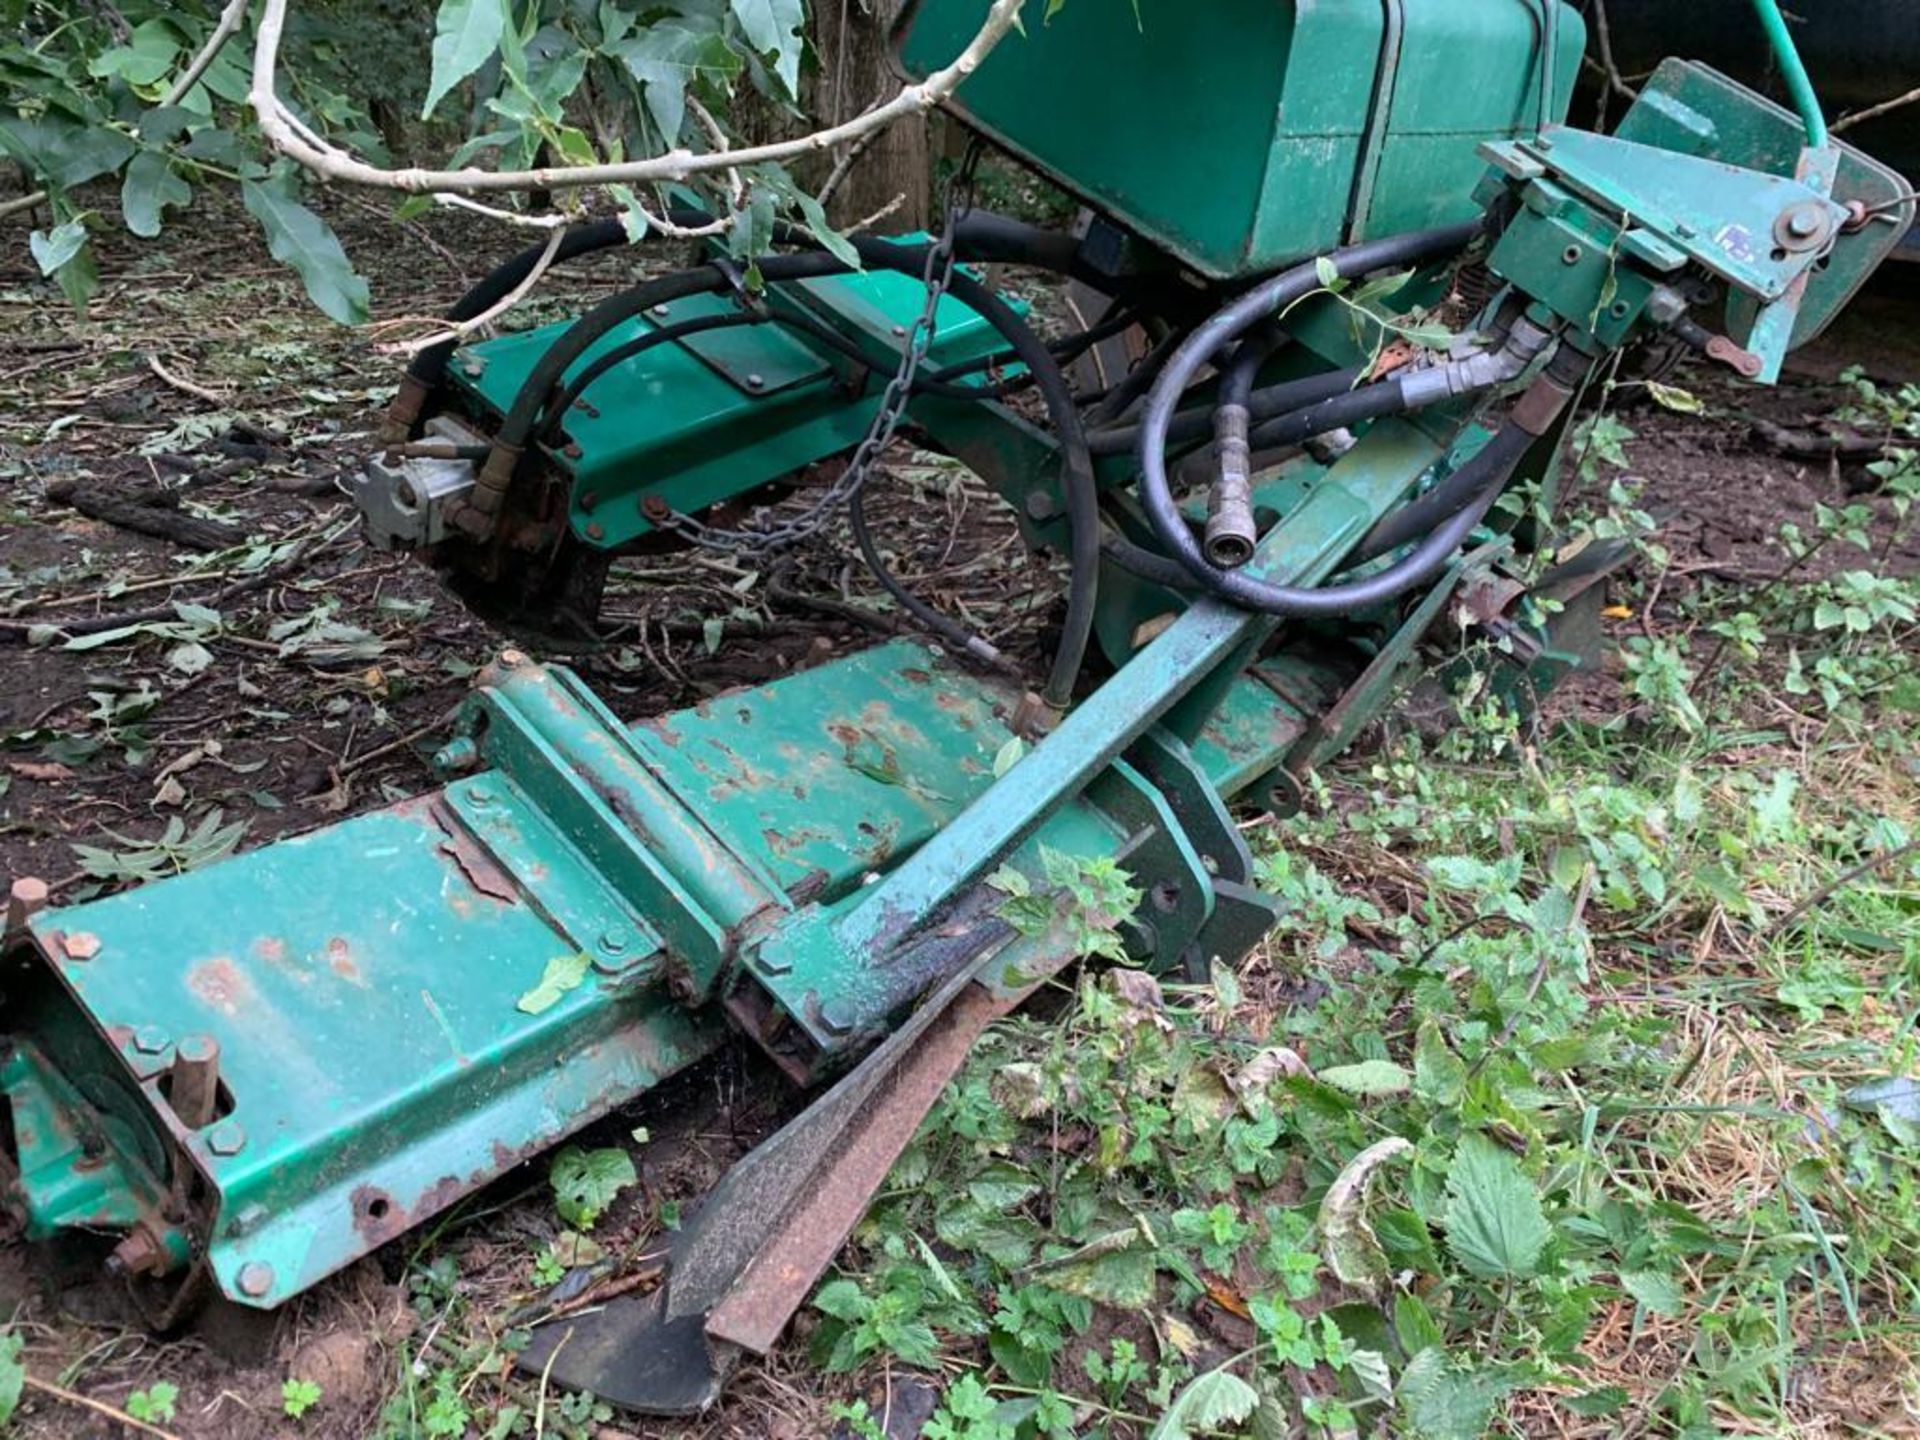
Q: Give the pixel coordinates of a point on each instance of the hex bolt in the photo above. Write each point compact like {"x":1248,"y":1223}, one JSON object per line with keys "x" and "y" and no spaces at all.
{"x":573,"y":450}
{"x":836,"y":1016}
{"x":899,"y":330}
{"x":256,"y":1280}
{"x":151,"y":1040}
{"x":227,"y":1138}
{"x":26,"y":897}
{"x":81,"y":945}
{"x":480,"y":797}
{"x":615,"y":941}
{"x":661,"y":311}
{"x":755,"y":382}
{"x":141,"y":1253}
{"x":596,"y":531}
{"x":1803,"y":224}
{"x":590,"y":499}
{"x":194,"y":1088}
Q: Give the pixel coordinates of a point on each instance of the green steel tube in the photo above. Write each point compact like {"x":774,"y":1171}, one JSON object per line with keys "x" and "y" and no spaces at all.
{"x":1794,"y":71}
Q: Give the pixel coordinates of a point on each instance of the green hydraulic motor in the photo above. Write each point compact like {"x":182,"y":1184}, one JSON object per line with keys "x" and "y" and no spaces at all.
{"x":1361,"y":272}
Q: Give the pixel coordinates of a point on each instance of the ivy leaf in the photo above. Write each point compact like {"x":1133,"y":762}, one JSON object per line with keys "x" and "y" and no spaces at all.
{"x":1346,"y":1239}
{"x":1213,"y":1401}
{"x":563,"y":973}
{"x":298,"y":237}
{"x":465,"y":33}
{"x":1369,"y":1077}
{"x":772,"y":27}
{"x":1494,"y":1221}
{"x":586,"y":1182}
{"x":150,"y":186}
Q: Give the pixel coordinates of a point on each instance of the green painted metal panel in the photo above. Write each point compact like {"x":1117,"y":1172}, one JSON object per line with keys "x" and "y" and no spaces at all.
{"x":683,"y":422}
{"x":1239,"y":135}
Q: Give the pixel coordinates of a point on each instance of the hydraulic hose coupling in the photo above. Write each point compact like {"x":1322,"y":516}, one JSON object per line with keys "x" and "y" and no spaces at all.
{"x":1479,"y":371}
{"x":476,"y":517}
{"x":396,"y":426}
{"x":1231,"y":536}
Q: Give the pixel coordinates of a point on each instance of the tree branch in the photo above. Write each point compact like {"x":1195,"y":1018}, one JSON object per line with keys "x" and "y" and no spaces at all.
{"x":282,"y":130}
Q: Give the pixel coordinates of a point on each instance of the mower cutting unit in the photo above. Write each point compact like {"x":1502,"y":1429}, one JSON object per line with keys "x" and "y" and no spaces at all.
{"x":240,"y":1080}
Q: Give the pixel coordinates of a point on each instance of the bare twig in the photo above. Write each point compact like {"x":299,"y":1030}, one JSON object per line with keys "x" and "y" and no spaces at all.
{"x":1874,"y":112}
{"x":99,"y":1407}
{"x":185,"y":386}
{"x":1839,"y":882}
{"x":284,"y":133}
{"x":461,"y":329}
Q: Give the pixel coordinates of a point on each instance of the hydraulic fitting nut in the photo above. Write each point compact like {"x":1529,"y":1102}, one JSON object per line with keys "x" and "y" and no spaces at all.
{"x":1231,"y":533}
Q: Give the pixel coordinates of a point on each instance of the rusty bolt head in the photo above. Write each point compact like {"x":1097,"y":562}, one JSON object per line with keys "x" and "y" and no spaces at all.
{"x":197,"y":1049}
{"x":596,"y":531}
{"x":26,"y":897}
{"x":141,"y":1253}
{"x":589,"y":500}
{"x":81,"y":945}
{"x":256,"y":1280}
{"x":655,"y":509}
{"x":226,"y":1138}
{"x":573,"y":450}
{"x":511,"y":657}
{"x":151,"y":1040}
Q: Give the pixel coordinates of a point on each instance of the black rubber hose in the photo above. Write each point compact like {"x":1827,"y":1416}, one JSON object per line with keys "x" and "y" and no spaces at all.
{"x":1077,"y":476}
{"x":956,"y":635}
{"x":1350,"y":407}
{"x":1274,"y":402}
{"x":1493,"y":465}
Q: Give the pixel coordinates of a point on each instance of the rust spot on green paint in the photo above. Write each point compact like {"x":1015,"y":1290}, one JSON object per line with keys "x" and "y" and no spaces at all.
{"x":221,"y":984}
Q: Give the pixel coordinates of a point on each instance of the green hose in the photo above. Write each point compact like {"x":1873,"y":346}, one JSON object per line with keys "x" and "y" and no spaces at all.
{"x":1794,"y":71}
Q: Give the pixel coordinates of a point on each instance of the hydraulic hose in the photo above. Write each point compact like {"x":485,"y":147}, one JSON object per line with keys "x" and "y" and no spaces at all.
{"x":1492,"y":467}
{"x":1274,"y":402}
{"x":956,"y":635}
{"x":1077,"y":476}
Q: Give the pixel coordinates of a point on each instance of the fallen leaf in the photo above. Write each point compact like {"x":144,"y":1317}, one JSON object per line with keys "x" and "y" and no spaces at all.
{"x":1346,"y":1239}
{"x":39,"y":770}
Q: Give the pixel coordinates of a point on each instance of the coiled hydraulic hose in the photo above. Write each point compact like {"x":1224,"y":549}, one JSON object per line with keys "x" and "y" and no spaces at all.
{"x":1490,"y":469}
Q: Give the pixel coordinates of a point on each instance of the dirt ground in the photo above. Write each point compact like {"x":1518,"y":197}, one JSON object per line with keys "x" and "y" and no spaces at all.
{"x":202,"y":371}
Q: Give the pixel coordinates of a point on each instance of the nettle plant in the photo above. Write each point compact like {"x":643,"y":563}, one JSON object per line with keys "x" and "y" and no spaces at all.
{"x":585,"y":104}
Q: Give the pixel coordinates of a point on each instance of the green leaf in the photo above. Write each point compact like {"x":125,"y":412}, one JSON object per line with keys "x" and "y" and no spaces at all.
{"x":1213,"y":1401}
{"x":54,"y":248}
{"x":1656,"y":1290}
{"x":1120,"y":1278}
{"x":465,"y":33}
{"x":298,"y":1396}
{"x":1413,"y":1324}
{"x":669,"y":57}
{"x":1444,"y":1399}
{"x":586,"y":1182}
{"x":1328,"y":273}
{"x":563,"y":973}
{"x":773,"y":27}
{"x":147,"y":55}
{"x":1346,"y":1239}
{"x":1369,"y":1077}
{"x":13,"y":1374}
{"x":1495,"y":1225}
{"x":842,"y":1300}
{"x":1008,"y":756}
{"x":1672,"y":397}
{"x":149,"y":187}
{"x":63,"y":152}
{"x":1439,"y":1075}
{"x":298,"y":237}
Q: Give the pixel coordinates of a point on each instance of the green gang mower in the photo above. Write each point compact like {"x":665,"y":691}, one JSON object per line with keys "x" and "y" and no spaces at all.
{"x":1359,"y":273}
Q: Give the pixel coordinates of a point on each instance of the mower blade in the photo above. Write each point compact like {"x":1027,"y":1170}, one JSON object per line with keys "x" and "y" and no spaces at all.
{"x":746,"y":1262}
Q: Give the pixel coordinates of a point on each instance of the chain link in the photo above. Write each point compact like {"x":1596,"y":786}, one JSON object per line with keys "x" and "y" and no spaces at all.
{"x":936,"y":275}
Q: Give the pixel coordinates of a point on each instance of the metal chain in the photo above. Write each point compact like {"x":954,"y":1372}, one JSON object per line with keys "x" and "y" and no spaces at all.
{"x":937,"y":274}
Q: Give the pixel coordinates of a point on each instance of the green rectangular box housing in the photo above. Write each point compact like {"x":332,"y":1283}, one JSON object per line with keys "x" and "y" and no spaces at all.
{"x":1243,"y":135}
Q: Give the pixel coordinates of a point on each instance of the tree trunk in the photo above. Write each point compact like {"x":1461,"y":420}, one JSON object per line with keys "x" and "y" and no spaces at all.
{"x":850,"y":37}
